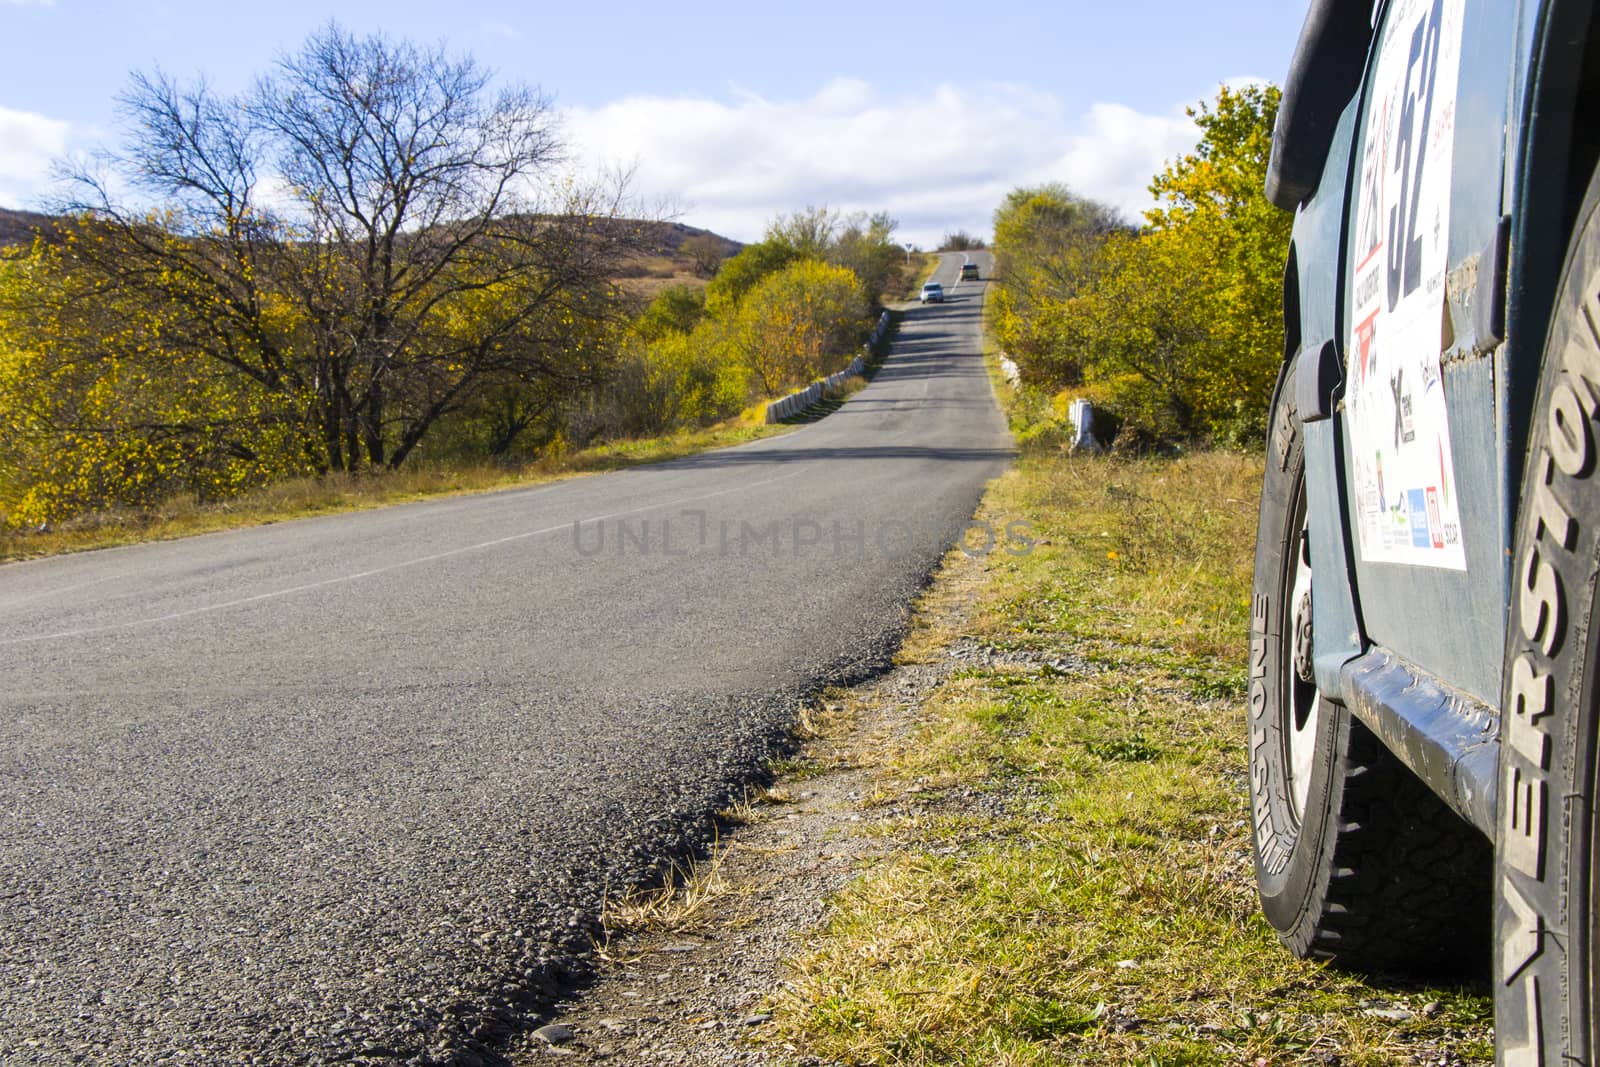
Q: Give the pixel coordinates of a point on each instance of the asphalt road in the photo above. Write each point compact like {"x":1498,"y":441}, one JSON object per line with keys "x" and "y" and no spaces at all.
{"x":352,"y":788}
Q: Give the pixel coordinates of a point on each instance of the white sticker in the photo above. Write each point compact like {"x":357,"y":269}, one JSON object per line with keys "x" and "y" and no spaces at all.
{"x":1400,"y":433}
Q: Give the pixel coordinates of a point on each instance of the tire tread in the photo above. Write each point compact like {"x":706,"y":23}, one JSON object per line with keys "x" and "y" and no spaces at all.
{"x":1408,"y":880}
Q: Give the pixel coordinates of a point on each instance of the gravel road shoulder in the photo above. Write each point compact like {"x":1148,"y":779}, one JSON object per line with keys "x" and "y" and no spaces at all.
{"x":686,"y":974}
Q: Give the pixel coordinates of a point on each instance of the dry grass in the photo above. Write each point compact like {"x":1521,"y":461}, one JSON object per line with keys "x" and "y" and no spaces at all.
{"x":833,"y":715}
{"x":685,"y":900}
{"x":847,"y":388}
{"x":743,"y":810}
{"x":1151,"y":550}
{"x":649,"y":275}
{"x":907,"y":283}
{"x":303,"y":497}
{"x":1077,"y":886}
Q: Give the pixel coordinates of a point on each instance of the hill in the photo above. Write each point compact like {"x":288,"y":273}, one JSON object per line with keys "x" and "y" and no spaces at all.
{"x":661,"y":238}
{"x":669,"y":237}
{"x":17,"y":227}
{"x":670,"y":253}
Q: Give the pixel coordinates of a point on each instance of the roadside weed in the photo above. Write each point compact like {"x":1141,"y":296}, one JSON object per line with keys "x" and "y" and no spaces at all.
{"x":680,"y":903}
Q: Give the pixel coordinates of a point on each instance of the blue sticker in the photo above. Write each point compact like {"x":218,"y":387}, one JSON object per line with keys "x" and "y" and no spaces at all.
{"x":1417,"y":502}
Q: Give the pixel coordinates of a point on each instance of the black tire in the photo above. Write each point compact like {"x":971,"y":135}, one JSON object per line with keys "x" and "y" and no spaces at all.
{"x":1545,"y":855}
{"x":1356,"y":860}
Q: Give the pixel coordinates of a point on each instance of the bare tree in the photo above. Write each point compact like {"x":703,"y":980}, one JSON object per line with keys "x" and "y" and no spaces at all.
{"x":960,"y":241}
{"x":865,"y":243}
{"x":862,"y":242}
{"x":706,"y":251}
{"x":810,"y":232}
{"x":371,"y":231}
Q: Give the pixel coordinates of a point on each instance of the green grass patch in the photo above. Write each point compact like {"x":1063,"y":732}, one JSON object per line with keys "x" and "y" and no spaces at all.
{"x":1078,"y":888}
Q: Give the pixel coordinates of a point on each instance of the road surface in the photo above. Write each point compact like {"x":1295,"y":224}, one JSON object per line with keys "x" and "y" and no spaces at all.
{"x":352,"y":788}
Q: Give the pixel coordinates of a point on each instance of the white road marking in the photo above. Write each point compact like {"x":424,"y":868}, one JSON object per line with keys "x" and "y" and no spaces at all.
{"x":12,"y":602}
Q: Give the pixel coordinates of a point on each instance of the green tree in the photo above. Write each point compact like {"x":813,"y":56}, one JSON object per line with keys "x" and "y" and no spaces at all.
{"x":1211,"y":202}
{"x":706,"y":251}
{"x":1178,"y":327}
{"x":810,"y":232}
{"x":699,"y":385}
{"x":858,"y":241}
{"x":782,"y":312}
{"x":1142,"y":329}
{"x":97,"y":411}
{"x":664,"y":378}
{"x":743,"y":272}
{"x":1047,"y":243}
{"x":676,"y":309}
{"x":865,"y":244}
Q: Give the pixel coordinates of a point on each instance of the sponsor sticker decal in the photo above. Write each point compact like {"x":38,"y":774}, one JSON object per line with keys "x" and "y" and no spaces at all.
{"x":1404,"y":476}
{"x":1416,"y":502}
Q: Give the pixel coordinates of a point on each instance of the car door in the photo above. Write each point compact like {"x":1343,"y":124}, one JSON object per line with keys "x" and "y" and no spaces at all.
{"x":1423,"y":417}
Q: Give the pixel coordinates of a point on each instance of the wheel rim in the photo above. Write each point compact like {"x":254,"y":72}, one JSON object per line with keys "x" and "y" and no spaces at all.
{"x":1301,"y":708}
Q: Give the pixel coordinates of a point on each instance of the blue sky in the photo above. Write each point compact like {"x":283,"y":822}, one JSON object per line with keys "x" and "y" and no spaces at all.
{"x":730,"y":112}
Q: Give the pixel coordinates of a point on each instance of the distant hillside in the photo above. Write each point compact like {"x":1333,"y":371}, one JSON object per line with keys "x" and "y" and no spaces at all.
{"x":662,"y":259}
{"x":664,"y":238}
{"x":673,"y":254}
{"x":669,"y":237}
{"x":17,"y":227}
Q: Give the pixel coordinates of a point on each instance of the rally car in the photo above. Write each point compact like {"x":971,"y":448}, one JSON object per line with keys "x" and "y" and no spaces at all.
{"x":1424,"y":699}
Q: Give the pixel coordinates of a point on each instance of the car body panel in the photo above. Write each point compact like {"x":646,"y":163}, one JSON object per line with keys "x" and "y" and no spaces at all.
{"x":1318,"y":241}
{"x":1447,"y":737}
{"x":1416,"y":645}
{"x":1440,"y":630}
{"x":1447,"y":621}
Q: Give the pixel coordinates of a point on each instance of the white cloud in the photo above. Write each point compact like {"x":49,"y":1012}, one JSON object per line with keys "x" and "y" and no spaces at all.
{"x":1117,"y":151}
{"x":29,"y":143}
{"x":936,"y":161}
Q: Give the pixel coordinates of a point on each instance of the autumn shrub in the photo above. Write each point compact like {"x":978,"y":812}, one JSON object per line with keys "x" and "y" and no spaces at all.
{"x":677,"y":381}
{"x":1177,"y":326}
{"x":95,"y":414}
{"x":798,"y":324}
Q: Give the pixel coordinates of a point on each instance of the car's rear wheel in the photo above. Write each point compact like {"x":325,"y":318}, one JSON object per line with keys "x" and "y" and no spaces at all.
{"x":1355,"y":858}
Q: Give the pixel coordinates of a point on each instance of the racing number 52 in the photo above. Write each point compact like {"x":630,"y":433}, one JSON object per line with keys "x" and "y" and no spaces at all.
{"x":1405,"y":254}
